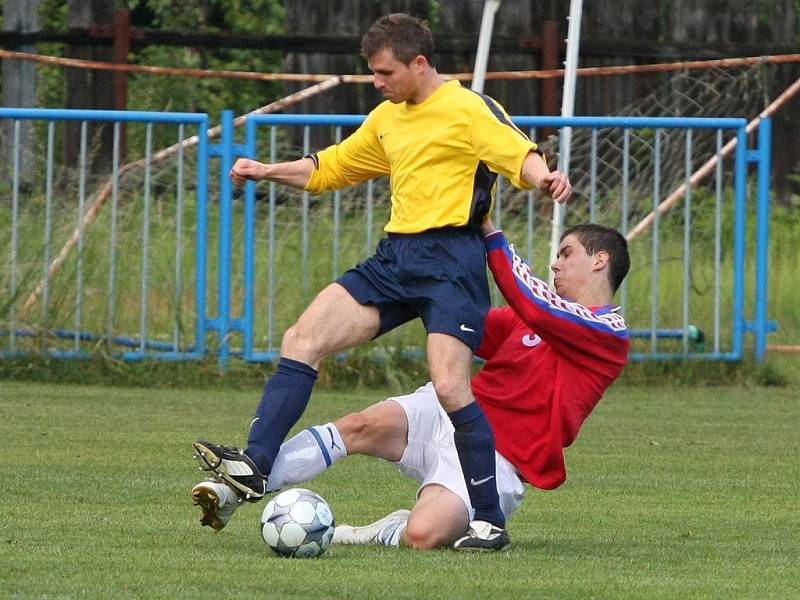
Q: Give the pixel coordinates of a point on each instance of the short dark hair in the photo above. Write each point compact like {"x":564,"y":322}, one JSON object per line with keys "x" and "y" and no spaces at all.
{"x":406,"y":36}
{"x":595,"y":238}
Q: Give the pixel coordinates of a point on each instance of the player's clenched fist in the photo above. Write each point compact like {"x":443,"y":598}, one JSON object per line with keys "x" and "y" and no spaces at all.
{"x":556,"y":185}
{"x":245,"y":168}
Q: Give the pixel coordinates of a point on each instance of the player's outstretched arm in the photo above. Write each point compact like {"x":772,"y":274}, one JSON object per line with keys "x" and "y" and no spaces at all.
{"x":555,"y":184}
{"x":567,"y":325}
{"x":295,"y":173}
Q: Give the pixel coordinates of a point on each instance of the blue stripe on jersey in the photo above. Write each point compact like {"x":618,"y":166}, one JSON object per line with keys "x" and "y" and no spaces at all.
{"x":325,"y":454}
{"x":494,"y":240}
{"x":538,"y":292}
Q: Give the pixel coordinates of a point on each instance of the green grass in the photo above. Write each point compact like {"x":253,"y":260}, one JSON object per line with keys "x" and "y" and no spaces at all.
{"x":673,"y":493}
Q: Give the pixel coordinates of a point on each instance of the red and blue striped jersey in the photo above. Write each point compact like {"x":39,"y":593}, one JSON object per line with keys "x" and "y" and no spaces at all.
{"x":548,"y":363}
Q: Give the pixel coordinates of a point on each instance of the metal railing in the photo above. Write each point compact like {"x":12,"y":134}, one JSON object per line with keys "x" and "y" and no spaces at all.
{"x":252,"y":256}
{"x":55,"y":215}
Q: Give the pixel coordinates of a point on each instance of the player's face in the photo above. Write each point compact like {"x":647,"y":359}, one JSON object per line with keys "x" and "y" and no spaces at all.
{"x":397,"y":81}
{"x":572,"y":268}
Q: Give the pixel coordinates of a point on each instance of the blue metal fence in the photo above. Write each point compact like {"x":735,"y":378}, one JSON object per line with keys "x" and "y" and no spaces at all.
{"x":40,"y":325}
{"x":236,"y":292}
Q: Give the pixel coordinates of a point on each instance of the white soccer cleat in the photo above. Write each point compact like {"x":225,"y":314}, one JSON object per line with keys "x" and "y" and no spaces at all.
{"x":217,"y":501}
{"x":376,"y":533}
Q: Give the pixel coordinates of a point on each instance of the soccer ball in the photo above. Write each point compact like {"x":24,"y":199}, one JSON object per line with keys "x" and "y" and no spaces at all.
{"x":298,"y":523}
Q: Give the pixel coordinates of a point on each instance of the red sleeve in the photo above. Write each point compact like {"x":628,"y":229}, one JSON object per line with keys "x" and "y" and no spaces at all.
{"x":568,"y":327}
{"x":496,"y":328}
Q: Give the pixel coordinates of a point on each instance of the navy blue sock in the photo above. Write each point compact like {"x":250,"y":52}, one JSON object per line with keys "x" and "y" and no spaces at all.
{"x":285,"y":398}
{"x":475,"y":445}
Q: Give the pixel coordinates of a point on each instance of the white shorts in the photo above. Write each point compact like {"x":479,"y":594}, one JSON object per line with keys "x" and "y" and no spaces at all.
{"x":431,"y":455}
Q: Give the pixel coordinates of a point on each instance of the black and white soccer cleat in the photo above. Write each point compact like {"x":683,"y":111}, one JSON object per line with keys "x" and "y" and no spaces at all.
{"x":234,"y":466}
{"x":483,"y":536}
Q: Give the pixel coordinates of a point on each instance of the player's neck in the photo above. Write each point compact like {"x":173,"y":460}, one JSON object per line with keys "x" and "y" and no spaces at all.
{"x":431,"y":82}
{"x":599,"y":295}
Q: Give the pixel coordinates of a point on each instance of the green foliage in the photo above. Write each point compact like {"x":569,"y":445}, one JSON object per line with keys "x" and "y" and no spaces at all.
{"x":671,"y":494}
{"x":53,"y":14}
{"x":103,"y":369}
{"x":776,"y":371}
{"x":363,"y":368}
{"x":764,"y":12}
{"x":208,"y":95}
{"x":243,"y":16}
{"x":435,"y":18}
{"x":184,"y":94}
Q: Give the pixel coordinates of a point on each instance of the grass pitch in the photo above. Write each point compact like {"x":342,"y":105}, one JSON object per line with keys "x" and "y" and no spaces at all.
{"x":672,"y":493}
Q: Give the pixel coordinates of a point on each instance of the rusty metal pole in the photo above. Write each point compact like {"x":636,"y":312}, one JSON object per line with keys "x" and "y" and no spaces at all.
{"x":551,"y":52}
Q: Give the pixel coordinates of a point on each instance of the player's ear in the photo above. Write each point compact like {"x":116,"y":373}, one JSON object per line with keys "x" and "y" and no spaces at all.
{"x":599,"y":260}
{"x":419,"y":62}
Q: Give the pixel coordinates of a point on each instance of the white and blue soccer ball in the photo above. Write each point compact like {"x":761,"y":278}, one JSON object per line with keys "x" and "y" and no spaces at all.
{"x":297,"y":523}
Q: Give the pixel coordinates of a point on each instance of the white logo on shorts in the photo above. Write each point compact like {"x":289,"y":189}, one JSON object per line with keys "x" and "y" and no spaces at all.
{"x":529,"y":341}
{"x":480,"y":481}
{"x":465,"y":328}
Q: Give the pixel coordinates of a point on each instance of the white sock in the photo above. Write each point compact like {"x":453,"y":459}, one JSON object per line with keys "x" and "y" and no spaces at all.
{"x":306,"y":455}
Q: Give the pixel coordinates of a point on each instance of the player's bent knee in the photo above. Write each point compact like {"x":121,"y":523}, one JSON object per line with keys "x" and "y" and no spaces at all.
{"x":452,"y":392}
{"x":421,"y":536}
{"x":353,"y":426}
{"x":298,"y":346}
{"x":292,"y":338}
{"x":362,"y":434}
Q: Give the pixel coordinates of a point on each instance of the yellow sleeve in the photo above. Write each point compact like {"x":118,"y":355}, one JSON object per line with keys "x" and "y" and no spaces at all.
{"x":500,"y":144}
{"x":357,"y":158}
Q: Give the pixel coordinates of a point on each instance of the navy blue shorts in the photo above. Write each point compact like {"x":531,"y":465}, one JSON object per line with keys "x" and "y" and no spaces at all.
{"x":437,"y":275}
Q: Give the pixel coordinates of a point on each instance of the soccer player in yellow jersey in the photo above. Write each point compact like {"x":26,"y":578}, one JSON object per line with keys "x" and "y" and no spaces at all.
{"x":443,"y":147}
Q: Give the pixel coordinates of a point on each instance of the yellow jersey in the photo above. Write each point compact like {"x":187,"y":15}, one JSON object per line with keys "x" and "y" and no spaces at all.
{"x":442,"y":155}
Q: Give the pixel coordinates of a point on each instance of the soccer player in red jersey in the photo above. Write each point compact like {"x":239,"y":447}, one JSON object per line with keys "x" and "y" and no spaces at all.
{"x":549,"y":356}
